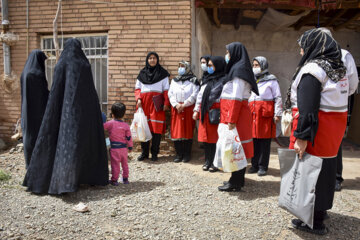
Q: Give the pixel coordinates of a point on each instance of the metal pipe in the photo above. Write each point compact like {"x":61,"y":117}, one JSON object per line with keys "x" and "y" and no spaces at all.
{"x":27,"y":28}
{"x":5,"y":26}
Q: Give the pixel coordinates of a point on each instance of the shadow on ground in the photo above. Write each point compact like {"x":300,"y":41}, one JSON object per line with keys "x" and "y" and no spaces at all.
{"x":88,"y":193}
{"x":340,"y":227}
{"x":257,"y":189}
{"x":351,"y":184}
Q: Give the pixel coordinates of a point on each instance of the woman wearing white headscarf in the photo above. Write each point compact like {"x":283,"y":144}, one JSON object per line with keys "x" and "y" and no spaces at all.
{"x":266,"y":110}
{"x":182,"y":95}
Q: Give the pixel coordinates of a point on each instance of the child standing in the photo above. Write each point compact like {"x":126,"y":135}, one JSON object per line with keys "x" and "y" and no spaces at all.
{"x":120,"y":140}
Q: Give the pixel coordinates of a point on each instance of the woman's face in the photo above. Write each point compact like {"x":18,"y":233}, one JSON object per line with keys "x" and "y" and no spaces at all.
{"x":203,"y":61}
{"x":152,"y":60}
{"x":210,"y":64}
{"x":256,"y":64}
{"x":182,"y":65}
{"x":227,"y":53}
{"x":301,"y":52}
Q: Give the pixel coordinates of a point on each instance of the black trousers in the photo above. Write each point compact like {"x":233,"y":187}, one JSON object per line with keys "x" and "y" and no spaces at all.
{"x":325,"y":185}
{"x":155,"y":145}
{"x":183,"y":148}
{"x":261,"y":153}
{"x":210,"y":149}
{"x":238,"y":178}
{"x":339,"y":165}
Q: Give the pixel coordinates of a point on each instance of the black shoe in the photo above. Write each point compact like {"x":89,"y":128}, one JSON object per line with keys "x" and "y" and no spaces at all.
{"x":213,"y":169}
{"x":253,"y":170}
{"x":186,"y":159}
{"x":178,"y":159}
{"x":154,"y":158}
{"x":261,"y":172}
{"x":142,"y":157}
{"x":338,"y":186}
{"x":298,"y":224}
{"x":229,"y":188}
{"x":205,"y":167}
{"x":326,"y":216}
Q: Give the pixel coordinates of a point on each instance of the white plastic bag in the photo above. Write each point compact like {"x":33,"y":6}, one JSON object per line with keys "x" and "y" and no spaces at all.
{"x":298,"y":182}
{"x":230,"y":155}
{"x":139,"y":128}
{"x":286,"y":122}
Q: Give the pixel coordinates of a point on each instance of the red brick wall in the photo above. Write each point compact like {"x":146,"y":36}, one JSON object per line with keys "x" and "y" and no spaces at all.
{"x":134,"y":28}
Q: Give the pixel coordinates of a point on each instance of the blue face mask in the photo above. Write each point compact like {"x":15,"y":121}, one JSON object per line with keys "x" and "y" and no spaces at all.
{"x":181,"y":71}
{"x":227,"y":59}
{"x":210,"y":70}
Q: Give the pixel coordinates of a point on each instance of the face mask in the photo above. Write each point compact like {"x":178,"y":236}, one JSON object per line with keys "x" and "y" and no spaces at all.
{"x":210,"y":70}
{"x":257,"y":70}
{"x":204,"y":67}
{"x":227,"y":59}
{"x":181,"y":71}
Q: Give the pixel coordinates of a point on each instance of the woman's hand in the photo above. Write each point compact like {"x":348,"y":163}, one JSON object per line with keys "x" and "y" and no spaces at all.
{"x":138,"y":103}
{"x":231,"y":126}
{"x":166,"y":108}
{"x":300,"y":147}
{"x":180,"y":107}
{"x":276,"y":119}
{"x":196,"y":116}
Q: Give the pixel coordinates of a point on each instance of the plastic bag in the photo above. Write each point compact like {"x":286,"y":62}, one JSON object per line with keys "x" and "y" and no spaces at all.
{"x":140,"y":130}
{"x":286,"y":122}
{"x":298,"y":182}
{"x":229,"y":155}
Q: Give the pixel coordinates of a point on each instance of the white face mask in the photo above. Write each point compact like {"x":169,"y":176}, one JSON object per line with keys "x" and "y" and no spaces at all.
{"x":204,"y":67}
{"x":257,"y":70}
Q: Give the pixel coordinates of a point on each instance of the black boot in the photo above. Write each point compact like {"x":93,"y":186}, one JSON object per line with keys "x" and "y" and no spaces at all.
{"x":207,"y":164}
{"x":145,"y":151}
{"x":179,"y":148}
{"x":187,"y":150}
{"x":155,"y":146}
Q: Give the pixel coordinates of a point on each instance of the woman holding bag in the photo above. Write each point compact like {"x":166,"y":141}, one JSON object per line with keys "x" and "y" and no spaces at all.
{"x":151,"y":82}
{"x":182,"y":95}
{"x":208,"y":105}
{"x":319,"y":97}
{"x":235,"y":111}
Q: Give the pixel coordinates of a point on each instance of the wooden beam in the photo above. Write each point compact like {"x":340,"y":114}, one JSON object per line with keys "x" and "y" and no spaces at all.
{"x":296,"y":12}
{"x":336,"y":17}
{"x":216,"y":17}
{"x":237,"y":4}
{"x":304,"y":20}
{"x":355,"y":17}
{"x":238,"y":20}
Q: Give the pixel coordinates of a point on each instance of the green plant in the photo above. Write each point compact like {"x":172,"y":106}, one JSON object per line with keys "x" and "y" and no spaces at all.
{"x":4,"y":176}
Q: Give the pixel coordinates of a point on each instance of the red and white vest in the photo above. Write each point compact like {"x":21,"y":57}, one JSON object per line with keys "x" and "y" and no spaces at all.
{"x":332,"y":113}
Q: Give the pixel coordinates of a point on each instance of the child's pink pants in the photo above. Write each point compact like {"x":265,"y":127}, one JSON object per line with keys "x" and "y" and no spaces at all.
{"x":119,"y":155}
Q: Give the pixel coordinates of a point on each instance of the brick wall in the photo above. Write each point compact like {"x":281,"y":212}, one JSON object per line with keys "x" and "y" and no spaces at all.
{"x":134,"y":28}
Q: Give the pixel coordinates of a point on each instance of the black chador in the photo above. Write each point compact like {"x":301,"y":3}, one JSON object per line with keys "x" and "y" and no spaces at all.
{"x":70,"y":149}
{"x":34,"y":96}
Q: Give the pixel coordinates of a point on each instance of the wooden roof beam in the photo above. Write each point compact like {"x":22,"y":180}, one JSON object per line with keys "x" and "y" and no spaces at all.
{"x":336,"y":17}
{"x":355,"y":17}
{"x":304,"y":20}
{"x":216,"y":17}
{"x":238,"y":20}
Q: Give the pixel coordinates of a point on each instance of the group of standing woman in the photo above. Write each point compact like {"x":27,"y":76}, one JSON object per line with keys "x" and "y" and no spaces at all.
{"x":232,"y":91}
{"x":247,"y":97}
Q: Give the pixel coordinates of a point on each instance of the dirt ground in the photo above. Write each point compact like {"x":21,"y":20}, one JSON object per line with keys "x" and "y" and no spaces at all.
{"x":167,"y":200}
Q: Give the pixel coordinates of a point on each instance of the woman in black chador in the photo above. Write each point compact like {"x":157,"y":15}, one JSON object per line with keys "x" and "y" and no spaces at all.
{"x":70,"y":149}
{"x":34,"y":96}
